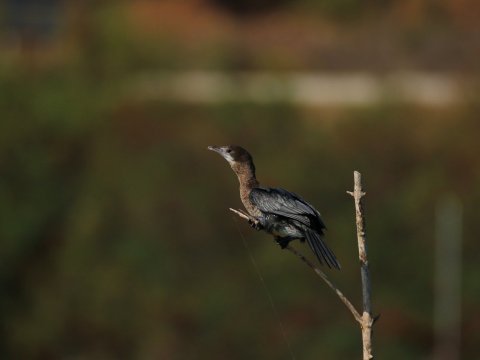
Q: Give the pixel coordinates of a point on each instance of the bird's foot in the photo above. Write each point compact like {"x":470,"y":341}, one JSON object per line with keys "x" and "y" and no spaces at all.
{"x":282,"y":242}
{"x":254,"y":223}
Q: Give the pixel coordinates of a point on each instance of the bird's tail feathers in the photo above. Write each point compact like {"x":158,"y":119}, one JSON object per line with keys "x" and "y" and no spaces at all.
{"x":321,"y":250}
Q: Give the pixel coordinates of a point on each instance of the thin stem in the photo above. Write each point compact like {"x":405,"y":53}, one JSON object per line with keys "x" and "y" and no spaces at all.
{"x":325,"y":278}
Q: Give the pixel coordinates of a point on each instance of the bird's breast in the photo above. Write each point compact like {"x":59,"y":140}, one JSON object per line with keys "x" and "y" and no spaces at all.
{"x":245,"y":197}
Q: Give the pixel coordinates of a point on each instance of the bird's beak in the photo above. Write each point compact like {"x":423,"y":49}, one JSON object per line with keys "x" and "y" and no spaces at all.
{"x":217,"y":149}
{"x":222,"y":150}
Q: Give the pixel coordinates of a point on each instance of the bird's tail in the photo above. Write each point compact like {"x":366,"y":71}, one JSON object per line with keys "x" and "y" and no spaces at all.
{"x":321,"y":250}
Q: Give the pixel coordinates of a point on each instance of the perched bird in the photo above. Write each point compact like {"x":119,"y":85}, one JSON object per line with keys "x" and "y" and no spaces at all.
{"x":279,"y":212}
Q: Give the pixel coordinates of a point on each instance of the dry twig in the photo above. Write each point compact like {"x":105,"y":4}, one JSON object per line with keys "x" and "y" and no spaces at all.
{"x":365,"y":320}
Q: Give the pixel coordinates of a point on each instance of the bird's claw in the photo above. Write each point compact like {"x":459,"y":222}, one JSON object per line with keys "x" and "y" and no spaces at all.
{"x":255,"y":224}
{"x":282,"y":242}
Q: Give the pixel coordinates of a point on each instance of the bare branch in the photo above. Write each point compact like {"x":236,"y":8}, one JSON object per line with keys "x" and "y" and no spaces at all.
{"x":243,"y":214}
{"x":367,"y":319}
{"x":319,"y":272}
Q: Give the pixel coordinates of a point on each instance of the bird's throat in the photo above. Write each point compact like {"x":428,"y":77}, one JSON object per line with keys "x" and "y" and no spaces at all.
{"x":246,"y":177}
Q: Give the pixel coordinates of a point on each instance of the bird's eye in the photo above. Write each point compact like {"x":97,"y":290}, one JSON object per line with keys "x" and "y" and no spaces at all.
{"x":229,"y":151}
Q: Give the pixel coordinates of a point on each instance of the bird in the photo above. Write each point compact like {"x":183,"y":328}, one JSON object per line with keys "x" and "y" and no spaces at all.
{"x":279,"y":212}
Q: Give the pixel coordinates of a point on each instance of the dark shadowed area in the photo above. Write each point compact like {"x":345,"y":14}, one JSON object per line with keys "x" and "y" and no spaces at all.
{"x":116,"y":239}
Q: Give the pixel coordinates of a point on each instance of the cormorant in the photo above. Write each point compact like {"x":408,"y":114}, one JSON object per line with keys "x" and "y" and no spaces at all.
{"x":279,"y":212}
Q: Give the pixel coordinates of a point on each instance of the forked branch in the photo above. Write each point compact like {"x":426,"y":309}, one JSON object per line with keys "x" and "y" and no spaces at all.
{"x":365,"y":320}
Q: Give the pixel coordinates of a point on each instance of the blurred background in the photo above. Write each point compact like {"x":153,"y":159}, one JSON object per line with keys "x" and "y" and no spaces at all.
{"x":116,"y":241}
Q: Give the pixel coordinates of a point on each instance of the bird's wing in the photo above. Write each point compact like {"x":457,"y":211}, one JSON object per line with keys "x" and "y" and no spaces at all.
{"x":284,"y":203}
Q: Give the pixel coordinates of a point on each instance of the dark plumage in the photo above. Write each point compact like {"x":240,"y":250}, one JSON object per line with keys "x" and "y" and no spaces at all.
{"x":281,"y":213}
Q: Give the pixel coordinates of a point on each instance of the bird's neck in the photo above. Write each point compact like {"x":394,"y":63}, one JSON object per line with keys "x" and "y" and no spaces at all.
{"x":246,"y":175}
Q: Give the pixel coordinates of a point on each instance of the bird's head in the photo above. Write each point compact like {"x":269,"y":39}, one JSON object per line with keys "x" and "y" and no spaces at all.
{"x":233,"y":153}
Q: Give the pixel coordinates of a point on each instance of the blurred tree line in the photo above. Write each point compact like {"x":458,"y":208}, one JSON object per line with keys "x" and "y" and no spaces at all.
{"x":116,"y":239}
